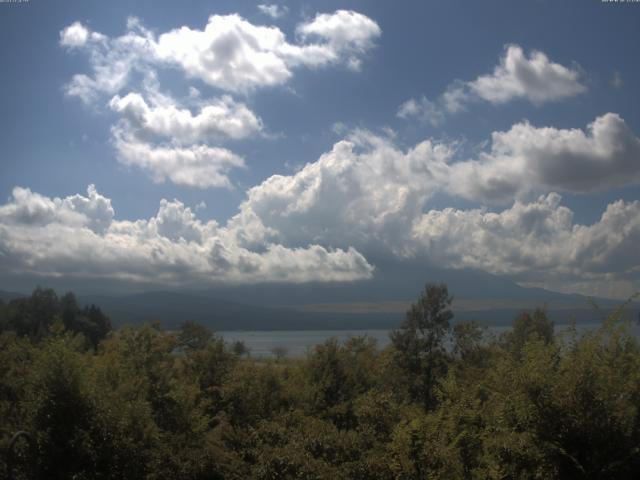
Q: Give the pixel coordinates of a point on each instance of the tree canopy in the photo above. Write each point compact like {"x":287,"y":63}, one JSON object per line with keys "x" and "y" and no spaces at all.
{"x":443,"y":400}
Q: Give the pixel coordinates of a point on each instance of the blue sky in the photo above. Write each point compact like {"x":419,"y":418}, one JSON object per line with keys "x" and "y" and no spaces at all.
{"x":452,"y":133}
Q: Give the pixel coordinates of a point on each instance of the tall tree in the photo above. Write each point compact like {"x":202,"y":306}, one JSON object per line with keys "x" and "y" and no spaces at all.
{"x":32,"y":316}
{"x":530,"y":326}
{"x":419,"y":343}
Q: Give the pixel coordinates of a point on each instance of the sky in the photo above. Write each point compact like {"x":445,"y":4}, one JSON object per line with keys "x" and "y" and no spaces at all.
{"x":202,"y":143}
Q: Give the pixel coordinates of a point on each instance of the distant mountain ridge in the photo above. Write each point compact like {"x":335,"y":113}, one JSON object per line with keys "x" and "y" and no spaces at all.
{"x":171,"y":309}
{"x":377,"y":303}
{"x":8,"y":296}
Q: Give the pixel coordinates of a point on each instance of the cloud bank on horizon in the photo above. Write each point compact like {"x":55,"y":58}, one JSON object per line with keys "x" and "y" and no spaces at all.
{"x":368,"y":196}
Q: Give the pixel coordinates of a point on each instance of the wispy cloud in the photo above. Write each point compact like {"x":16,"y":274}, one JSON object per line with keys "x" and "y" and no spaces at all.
{"x":273,"y":10}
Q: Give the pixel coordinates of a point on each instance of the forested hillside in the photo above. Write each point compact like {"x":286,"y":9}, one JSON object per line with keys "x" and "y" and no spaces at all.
{"x":441,"y":401}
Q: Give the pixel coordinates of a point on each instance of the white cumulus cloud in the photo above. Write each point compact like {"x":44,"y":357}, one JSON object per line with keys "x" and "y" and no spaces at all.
{"x":75,"y":35}
{"x":534,"y":78}
{"x":230,"y":53}
{"x":367,"y":198}
{"x":78,"y":237}
{"x":218,"y":119}
{"x":346,"y":33}
{"x":174,"y":143}
{"x":528,"y":159}
{"x":365,"y":192}
{"x":369,"y":194}
{"x":170,"y":143}
{"x":199,"y":165}
{"x":539,"y":242}
{"x":29,"y":208}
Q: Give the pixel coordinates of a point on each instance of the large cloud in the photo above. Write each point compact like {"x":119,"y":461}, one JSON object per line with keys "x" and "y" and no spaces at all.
{"x":364,"y":192}
{"x":527,"y":159}
{"x":366,"y":195}
{"x":369,"y":194}
{"x":523,"y":238}
{"x":229,"y":53}
{"x":539,"y":242}
{"x":28,"y":208}
{"x":77,"y":236}
{"x":534,"y":78}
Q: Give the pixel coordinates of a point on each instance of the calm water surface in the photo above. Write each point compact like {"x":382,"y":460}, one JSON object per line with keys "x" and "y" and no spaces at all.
{"x":298,"y":342}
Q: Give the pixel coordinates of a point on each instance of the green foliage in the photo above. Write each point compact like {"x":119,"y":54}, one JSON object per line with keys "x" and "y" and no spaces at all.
{"x":530,"y":327}
{"x":279,"y":352}
{"x":419,"y":343}
{"x":338,"y":374}
{"x":36,"y":317}
{"x":239,"y":348}
{"x":251,"y":394}
{"x":437,"y":403}
{"x":194,"y":336}
{"x":468,"y":343}
{"x":60,"y":410}
{"x":32,"y":317}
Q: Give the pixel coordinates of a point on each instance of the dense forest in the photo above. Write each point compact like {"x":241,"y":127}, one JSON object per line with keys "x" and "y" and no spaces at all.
{"x":444,"y":400}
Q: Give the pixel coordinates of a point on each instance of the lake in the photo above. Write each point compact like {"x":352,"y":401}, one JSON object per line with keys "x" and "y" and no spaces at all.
{"x":298,"y":342}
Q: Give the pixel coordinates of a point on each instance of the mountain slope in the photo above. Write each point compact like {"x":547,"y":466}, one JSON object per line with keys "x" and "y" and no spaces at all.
{"x":380,"y":302}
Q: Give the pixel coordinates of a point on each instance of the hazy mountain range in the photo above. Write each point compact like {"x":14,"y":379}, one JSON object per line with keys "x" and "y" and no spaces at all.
{"x":377,"y":303}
